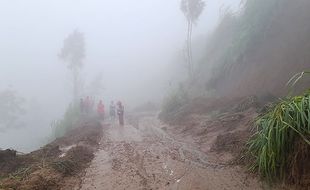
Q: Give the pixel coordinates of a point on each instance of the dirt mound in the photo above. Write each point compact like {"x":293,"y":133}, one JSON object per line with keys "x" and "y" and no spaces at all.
{"x":222,"y":131}
{"x":57,"y":165}
{"x":221,"y":126}
{"x":214,"y":107}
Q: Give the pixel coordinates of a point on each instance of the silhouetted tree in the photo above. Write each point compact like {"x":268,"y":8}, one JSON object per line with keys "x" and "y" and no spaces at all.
{"x":73,"y":53}
{"x":191,"y":9}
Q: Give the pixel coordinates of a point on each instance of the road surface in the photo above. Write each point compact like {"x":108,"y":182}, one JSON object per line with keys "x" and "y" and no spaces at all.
{"x":146,"y":157}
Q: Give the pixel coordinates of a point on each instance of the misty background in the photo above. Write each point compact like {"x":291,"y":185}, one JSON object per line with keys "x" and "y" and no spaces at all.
{"x":133,"y":45}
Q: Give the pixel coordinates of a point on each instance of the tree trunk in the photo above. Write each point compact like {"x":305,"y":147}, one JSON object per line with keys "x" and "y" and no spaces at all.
{"x":189,"y":61}
{"x":190,"y":50}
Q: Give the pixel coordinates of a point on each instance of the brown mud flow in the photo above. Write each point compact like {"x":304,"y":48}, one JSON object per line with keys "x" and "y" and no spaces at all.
{"x":147,"y":157}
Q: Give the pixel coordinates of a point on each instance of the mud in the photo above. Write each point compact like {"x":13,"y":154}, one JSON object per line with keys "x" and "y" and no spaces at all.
{"x":58,"y":165}
{"x":147,"y":157}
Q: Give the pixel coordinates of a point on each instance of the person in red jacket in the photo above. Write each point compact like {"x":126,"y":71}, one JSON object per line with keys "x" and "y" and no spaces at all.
{"x":100,"y":110}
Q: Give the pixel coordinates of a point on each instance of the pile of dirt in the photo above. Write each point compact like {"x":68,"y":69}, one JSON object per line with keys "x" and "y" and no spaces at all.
{"x":220,"y":127}
{"x":222,"y":131}
{"x":58,"y":165}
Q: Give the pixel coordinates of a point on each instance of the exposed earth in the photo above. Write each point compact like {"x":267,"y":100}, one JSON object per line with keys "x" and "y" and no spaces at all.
{"x":147,"y":157}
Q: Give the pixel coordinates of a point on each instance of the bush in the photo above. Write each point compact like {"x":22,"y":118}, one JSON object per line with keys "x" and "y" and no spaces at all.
{"x":282,"y":140}
{"x":69,"y":121}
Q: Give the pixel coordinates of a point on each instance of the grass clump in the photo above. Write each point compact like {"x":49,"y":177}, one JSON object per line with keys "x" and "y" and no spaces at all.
{"x":281,"y":144}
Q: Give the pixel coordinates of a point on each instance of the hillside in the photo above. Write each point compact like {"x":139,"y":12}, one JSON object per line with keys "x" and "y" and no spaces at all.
{"x":256,"y":51}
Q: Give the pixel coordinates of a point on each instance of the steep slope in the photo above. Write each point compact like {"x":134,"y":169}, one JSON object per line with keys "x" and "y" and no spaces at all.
{"x":259,"y":49}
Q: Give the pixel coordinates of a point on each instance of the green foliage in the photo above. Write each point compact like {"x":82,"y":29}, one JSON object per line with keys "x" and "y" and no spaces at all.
{"x":68,"y":122}
{"x":273,"y":145}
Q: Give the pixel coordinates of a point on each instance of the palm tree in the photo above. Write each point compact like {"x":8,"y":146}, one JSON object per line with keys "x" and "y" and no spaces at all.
{"x":73,"y":53}
{"x":191,"y":9}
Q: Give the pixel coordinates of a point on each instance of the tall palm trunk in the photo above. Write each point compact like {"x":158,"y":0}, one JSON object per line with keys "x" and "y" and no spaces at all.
{"x":189,"y":61}
{"x":189,"y":50}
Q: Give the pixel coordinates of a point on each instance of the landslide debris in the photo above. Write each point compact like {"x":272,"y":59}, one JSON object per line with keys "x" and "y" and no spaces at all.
{"x":58,"y":165}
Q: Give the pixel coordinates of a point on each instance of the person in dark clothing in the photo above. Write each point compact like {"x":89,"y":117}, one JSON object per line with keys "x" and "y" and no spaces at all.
{"x":112,"y":111}
{"x":87,"y":105}
{"x":120,"y":113}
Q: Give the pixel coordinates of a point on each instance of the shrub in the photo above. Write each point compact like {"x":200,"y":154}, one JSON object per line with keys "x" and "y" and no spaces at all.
{"x":283,"y":134}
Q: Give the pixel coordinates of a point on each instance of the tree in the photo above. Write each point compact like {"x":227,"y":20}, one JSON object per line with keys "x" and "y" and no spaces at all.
{"x":10,"y":109}
{"x":73,"y":53}
{"x":191,"y":9}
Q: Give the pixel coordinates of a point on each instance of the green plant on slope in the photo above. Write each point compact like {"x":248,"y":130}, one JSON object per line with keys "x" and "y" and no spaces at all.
{"x":273,"y":145}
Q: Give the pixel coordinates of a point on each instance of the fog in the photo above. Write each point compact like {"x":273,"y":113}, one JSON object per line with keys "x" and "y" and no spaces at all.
{"x":132,"y":44}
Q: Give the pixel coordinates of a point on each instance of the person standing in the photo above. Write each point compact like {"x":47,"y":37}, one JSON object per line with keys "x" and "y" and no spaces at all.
{"x":120,"y":113}
{"x":100,"y":110}
{"x":112,"y":111}
{"x":87,"y":105}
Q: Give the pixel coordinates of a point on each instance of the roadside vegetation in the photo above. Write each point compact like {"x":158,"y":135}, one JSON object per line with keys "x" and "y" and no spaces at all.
{"x":281,"y":145}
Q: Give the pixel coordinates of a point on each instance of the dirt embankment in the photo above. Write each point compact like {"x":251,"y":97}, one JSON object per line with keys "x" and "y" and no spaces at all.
{"x":219,"y":127}
{"x":58,"y":165}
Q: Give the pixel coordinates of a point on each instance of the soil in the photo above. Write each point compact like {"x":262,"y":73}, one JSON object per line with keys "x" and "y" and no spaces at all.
{"x":58,"y":165}
{"x":200,"y":152}
{"x":147,"y":157}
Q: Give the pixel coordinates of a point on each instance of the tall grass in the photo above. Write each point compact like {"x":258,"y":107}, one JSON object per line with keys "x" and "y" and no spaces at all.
{"x":274,"y":144}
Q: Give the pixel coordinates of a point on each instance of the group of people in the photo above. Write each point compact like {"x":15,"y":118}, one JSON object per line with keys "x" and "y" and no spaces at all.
{"x":87,"y":107}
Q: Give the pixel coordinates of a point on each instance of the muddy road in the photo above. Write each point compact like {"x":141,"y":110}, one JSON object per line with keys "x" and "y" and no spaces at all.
{"x":146,"y":157}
